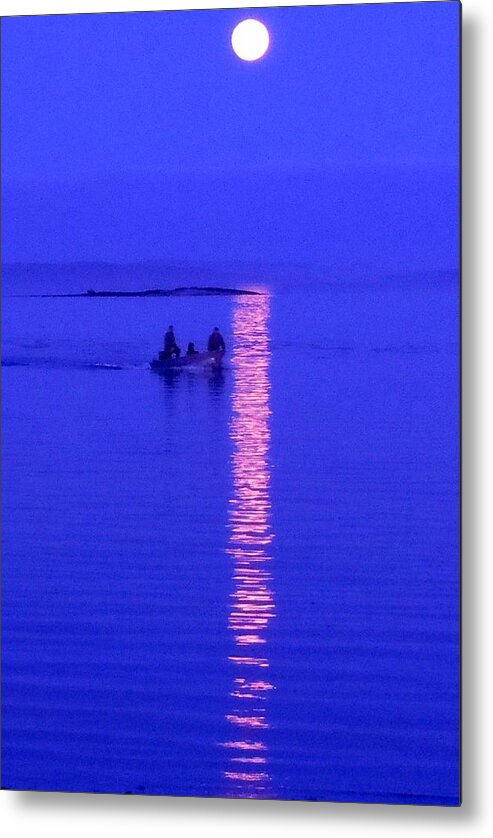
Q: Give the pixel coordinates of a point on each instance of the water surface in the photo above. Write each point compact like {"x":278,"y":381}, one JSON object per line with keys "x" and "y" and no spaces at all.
{"x":240,"y":584}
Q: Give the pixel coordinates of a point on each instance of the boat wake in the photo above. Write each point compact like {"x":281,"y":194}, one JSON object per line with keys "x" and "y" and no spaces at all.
{"x":61,"y":363}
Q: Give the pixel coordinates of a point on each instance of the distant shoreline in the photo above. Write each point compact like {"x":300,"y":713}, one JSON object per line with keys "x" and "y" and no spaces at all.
{"x":188,"y":291}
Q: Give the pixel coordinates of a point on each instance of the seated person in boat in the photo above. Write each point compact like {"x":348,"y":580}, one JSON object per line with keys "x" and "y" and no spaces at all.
{"x":216,"y":341}
{"x":171,"y":348}
{"x":191,"y":349}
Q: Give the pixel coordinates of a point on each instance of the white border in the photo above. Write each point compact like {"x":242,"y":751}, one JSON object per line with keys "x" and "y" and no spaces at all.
{"x":55,"y":815}
{"x":31,"y":7}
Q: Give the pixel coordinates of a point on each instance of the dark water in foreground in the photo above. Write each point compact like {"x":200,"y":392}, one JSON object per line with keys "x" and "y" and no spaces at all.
{"x":242,"y":584}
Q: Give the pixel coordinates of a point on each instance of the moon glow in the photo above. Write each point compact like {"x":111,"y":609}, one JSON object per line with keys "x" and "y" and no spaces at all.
{"x":250,"y":39}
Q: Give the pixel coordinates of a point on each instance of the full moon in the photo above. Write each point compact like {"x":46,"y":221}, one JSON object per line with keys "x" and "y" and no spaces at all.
{"x":250,"y":39}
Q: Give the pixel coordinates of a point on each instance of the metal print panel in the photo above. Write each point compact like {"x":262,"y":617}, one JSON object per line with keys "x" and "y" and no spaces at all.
{"x":231,"y":403}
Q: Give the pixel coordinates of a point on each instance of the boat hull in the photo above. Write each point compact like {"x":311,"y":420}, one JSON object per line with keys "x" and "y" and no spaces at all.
{"x":211,"y":360}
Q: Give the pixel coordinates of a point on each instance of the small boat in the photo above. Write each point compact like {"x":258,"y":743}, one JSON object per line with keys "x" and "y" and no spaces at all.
{"x":211,"y":360}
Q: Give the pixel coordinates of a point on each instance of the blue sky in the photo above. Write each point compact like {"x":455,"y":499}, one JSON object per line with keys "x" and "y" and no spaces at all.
{"x":100,"y":108}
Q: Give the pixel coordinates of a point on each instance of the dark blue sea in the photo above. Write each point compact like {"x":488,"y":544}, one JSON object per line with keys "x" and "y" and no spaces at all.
{"x":235,"y":584}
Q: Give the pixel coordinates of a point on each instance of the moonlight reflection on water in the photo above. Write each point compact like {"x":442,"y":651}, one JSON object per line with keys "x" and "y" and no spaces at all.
{"x":252,"y":600}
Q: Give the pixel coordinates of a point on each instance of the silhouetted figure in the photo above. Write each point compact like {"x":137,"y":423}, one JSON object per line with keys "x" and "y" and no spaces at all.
{"x":216,"y":341}
{"x":191,"y":349}
{"x":170,"y":345}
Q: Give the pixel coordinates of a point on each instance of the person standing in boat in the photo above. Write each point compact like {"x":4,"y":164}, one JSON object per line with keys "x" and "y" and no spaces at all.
{"x":216,"y":342}
{"x":170,"y":345}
